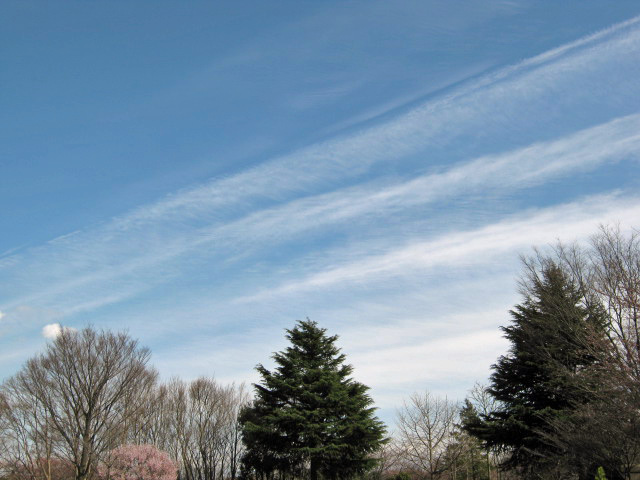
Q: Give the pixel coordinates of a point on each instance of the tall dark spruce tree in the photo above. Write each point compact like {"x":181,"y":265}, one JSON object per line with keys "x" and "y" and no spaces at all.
{"x":539,"y":381}
{"x":309,"y":418}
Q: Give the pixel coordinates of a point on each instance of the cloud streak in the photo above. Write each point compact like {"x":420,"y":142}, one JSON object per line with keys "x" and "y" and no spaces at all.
{"x":586,"y":150}
{"x":574,"y":220}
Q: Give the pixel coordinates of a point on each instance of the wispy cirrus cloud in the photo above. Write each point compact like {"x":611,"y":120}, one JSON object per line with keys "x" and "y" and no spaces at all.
{"x":574,"y":220}
{"x":396,"y":333}
{"x":542,"y":80}
{"x":349,"y":186}
{"x":586,"y":150}
{"x":469,"y":108}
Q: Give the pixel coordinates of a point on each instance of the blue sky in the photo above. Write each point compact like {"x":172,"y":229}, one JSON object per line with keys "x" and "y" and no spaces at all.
{"x":204,"y":174}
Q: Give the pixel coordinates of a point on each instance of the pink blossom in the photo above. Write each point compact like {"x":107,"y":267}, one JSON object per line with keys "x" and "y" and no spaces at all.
{"x":138,"y":462}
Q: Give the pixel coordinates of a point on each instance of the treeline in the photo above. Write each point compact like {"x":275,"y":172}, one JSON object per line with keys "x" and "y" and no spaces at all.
{"x":70,"y":409}
{"x":562,"y":403}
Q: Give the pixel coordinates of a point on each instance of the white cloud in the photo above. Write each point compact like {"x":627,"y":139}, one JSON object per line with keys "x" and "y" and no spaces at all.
{"x":52,"y":330}
{"x":539,"y":227}
{"x":2,"y":315}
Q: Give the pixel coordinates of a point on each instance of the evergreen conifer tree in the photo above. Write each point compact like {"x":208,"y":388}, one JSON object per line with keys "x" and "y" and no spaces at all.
{"x":309,"y":416}
{"x":539,"y":380}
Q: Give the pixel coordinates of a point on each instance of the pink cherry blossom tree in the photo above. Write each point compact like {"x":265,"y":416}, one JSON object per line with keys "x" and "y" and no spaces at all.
{"x":138,"y":462}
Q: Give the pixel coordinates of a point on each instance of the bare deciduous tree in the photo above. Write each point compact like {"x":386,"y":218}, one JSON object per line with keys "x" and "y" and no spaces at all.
{"x":426,"y":425}
{"x":30,"y":447}
{"x":608,"y":273}
{"x":615,"y":279}
{"x":197,"y":424}
{"x":76,"y":399}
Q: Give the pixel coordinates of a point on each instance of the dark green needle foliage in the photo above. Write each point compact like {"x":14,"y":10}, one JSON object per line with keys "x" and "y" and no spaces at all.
{"x":309,"y":418}
{"x":538,"y":382}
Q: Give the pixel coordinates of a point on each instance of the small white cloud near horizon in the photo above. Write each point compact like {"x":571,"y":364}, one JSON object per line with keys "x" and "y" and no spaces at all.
{"x":2,"y":314}
{"x":52,"y":330}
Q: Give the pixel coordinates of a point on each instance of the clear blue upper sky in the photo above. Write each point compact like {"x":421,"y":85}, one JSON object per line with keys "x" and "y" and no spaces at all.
{"x":205,"y":173}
